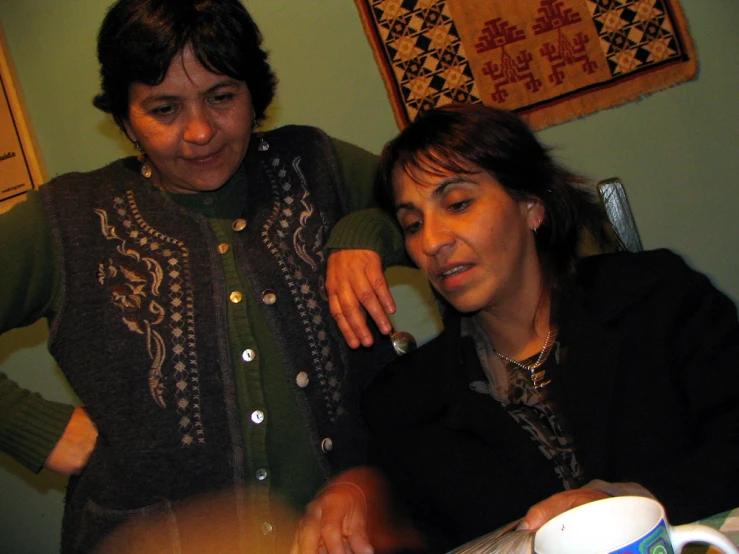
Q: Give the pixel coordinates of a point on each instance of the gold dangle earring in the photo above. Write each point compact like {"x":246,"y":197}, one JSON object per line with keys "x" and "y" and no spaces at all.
{"x":263,"y":145}
{"x":145,"y":167}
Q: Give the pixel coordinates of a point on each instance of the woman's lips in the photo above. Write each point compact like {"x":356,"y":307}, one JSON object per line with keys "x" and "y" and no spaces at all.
{"x":453,"y":275}
{"x":208,"y":159}
{"x":452,"y":271}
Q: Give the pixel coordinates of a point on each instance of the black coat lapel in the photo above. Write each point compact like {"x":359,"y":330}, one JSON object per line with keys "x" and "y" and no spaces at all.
{"x":587,"y":374}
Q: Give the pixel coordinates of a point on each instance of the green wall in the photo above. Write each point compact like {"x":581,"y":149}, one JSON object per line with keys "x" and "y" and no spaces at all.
{"x":676,"y":151}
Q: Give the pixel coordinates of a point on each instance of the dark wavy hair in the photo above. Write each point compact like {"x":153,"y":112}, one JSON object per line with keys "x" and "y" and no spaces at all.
{"x":139,"y":38}
{"x":456,"y":136}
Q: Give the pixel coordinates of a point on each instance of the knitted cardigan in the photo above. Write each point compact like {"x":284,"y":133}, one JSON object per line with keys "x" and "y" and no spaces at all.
{"x":141,"y":332}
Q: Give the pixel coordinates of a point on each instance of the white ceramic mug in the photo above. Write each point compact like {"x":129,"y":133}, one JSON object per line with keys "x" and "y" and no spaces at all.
{"x":622,"y":525}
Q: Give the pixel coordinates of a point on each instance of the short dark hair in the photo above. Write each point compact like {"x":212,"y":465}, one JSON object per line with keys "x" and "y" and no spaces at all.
{"x":455,"y":136}
{"x":139,"y":38}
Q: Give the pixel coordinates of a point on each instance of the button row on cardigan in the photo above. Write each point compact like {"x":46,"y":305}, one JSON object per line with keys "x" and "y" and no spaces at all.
{"x":248,"y":355}
{"x":257,"y":416}
{"x":223,"y":248}
{"x":327,"y":445}
{"x":260,"y":474}
{"x":239,"y":225}
{"x":236,"y":297}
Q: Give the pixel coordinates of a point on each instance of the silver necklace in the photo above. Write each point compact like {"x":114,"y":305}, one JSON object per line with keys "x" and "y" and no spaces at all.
{"x":537,"y":377}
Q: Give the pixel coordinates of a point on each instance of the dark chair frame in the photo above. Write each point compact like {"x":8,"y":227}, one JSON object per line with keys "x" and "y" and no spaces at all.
{"x":613,"y":195}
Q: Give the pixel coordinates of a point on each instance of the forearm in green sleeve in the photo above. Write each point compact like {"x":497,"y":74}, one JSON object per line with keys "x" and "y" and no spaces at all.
{"x":371,"y":229}
{"x":30,"y":426}
{"x":366,"y":227}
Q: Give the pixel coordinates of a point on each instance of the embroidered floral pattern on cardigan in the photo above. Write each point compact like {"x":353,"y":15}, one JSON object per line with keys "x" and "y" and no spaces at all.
{"x":286,"y":235}
{"x":148,"y":278}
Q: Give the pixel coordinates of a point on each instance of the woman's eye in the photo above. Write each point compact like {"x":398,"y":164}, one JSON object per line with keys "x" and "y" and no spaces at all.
{"x":412,"y":227}
{"x":163,"y":110}
{"x":220,"y":98}
{"x":459,"y":206}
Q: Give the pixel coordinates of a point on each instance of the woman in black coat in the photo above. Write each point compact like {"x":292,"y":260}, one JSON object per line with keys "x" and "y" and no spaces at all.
{"x":557,"y":380}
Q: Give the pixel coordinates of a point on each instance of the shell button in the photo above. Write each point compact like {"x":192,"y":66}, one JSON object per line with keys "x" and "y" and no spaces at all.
{"x":269,"y":297}
{"x":302,"y":379}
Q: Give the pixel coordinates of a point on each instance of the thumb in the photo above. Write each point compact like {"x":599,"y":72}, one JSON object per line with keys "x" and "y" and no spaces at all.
{"x":359,"y":543}
{"x":537,"y":516}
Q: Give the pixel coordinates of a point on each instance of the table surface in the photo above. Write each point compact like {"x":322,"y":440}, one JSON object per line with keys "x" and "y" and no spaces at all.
{"x":726,"y":522}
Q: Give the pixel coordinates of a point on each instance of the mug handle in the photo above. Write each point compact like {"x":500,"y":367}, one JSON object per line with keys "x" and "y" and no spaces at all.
{"x":695,"y":532}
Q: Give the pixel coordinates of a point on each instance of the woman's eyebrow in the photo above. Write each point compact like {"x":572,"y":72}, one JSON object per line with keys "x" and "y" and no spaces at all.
{"x":171,"y":97}
{"x":438,"y":191}
{"x":451,"y":180}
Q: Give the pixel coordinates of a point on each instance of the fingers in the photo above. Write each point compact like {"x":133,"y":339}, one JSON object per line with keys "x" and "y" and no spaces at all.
{"x":356,"y":298}
{"x":307,"y":536}
{"x":344,"y":522}
{"x":344,"y":326}
{"x":556,"y":504}
{"x":356,"y":285}
{"x":536,"y":517}
{"x":377,"y":300}
{"x":334,"y":523}
{"x":332,"y":530}
{"x":359,"y":544}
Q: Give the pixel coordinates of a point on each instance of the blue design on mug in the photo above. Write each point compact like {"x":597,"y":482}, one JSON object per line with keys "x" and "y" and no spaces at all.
{"x":657,"y":541}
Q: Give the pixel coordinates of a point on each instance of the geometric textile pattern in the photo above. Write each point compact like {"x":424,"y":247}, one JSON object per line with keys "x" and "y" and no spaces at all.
{"x":424,"y":52}
{"x":548,"y":60}
{"x":635,"y":34}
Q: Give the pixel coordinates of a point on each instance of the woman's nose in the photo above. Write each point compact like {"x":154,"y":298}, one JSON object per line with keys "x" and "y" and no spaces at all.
{"x":435,"y":237}
{"x":199,"y":128}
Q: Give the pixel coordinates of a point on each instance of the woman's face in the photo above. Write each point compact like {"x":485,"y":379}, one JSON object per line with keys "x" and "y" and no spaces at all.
{"x":472,"y":240}
{"x":194,"y":126}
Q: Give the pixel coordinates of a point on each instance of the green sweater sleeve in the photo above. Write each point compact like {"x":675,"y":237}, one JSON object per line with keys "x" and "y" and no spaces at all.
{"x":30,"y":426}
{"x":367,"y":226}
